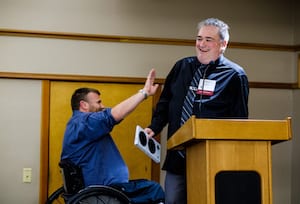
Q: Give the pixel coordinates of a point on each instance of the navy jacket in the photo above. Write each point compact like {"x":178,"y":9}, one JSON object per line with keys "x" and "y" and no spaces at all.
{"x":229,"y":99}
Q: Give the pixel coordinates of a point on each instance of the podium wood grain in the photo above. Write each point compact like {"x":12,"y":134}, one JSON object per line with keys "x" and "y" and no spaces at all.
{"x":214,"y":145}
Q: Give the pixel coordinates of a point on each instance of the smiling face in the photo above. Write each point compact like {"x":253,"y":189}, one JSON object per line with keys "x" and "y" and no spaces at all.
{"x":209,"y":45}
{"x":92,"y":103}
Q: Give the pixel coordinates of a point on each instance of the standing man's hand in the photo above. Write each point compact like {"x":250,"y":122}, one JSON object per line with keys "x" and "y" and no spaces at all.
{"x":149,"y":132}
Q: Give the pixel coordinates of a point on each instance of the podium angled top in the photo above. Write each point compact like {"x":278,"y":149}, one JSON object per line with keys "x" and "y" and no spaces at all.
{"x":231,"y":129}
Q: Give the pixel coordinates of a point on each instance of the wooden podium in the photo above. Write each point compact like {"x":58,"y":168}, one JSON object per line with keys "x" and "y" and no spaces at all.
{"x":230,"y":149}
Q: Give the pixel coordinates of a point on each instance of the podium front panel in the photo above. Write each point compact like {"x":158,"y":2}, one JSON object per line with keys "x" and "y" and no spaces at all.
{"x":206,"y":159}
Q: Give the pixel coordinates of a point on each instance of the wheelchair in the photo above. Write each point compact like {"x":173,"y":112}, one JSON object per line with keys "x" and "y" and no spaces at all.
{"x":74,"y":192}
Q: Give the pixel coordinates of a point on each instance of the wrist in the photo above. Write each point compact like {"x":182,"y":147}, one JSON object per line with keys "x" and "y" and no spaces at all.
{"x":142,"y":91}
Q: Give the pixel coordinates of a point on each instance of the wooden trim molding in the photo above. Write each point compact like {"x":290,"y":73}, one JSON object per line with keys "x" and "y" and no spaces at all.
{"x":298,"y":69}
{"x":155,"y":173}
{"x":127,"y":80}
{"x":141,"y":40}
{"x":76,"y":78}
{"x":273,"y":85}
{"x":44,"y":147}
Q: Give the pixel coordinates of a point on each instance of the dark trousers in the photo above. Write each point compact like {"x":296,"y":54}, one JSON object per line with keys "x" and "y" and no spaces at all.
{"x":175,"y":189}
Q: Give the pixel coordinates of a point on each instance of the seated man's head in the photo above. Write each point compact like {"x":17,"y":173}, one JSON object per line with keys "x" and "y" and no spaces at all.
{"x":86,"y":100}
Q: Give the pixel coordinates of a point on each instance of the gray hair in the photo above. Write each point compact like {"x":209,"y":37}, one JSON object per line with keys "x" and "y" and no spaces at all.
{"x":223,"y":27}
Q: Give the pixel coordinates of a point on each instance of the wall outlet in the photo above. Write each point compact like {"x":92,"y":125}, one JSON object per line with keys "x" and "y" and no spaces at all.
{"x":27,"y":175}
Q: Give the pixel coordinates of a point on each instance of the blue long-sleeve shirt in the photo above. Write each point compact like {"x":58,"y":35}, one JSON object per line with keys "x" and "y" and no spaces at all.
{"x":88,"y":144}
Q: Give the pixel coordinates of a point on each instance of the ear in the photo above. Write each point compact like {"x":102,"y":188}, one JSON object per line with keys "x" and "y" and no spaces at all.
{"x":83,"y":105}
{"x":223,"y":45}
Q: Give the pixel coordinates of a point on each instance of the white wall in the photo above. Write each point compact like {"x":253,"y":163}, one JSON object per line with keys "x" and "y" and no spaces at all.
{"x":250,"y":20}
{"x":87,"y":57}
{"x":19,"y":139}
{"x":297,"y":22}
{"x":169,"y":19}
{"x":257,"y":21}
{"x":276,"y":104}
{"x":296,"y":127}
{"x":295,"y":149}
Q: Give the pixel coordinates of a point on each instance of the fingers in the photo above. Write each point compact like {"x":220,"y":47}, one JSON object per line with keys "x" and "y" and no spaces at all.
{"x":150,"y":87}
{"x":151,"y":76}
{"x":149,"y":132}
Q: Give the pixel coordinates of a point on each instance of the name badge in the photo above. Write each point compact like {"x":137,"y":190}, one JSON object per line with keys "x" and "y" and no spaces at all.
{"x":206,"y":87}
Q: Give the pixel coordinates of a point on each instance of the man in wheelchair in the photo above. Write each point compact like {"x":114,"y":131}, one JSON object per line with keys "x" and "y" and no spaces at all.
{"x":89,"y":146}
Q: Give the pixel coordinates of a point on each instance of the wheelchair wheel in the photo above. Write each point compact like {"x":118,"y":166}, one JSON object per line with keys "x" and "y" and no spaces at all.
{"x":99,"y":195}
{"x":56,"y":196}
